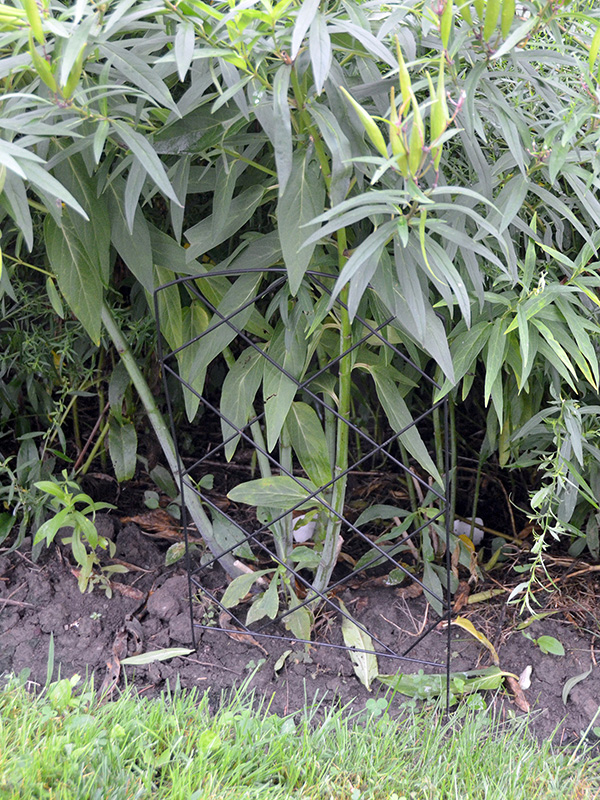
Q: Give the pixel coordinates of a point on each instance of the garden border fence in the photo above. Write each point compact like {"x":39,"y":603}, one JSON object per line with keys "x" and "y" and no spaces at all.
{"x":258,"y":536}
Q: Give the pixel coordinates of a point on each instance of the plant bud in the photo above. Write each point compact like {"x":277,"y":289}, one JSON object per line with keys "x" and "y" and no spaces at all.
{"x":34,"y":19}
{"x":405,"y":84}
{"x":492,"y":12}
{"x":42,"y":67}
{"x":417,"y":139}
{"x":508,"y":14}
{"x":369,"y":124}
{"x":446,"y":23}
{"x":464,"y":9}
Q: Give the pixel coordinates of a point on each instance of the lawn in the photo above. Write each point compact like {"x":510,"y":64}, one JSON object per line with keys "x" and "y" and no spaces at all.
{"x":62,"y":744}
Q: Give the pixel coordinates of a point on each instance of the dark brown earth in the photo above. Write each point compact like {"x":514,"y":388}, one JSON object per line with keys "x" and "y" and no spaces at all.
{"x":40,"y":599}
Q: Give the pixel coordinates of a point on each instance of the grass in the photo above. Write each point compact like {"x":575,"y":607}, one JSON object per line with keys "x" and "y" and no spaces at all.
{"x":61,"y":745}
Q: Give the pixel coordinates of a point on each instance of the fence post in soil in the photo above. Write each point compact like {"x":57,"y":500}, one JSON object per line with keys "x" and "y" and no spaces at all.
{"x":297,"y":542}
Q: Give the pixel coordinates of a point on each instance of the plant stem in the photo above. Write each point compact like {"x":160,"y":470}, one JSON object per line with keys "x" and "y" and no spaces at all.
{"x":328,"y":556}
{"x":192,"y":501}
{"x":96,"y":447}
{"x":264,"y":464}
{"x":453,"y":457}
{"x":328,"y":415}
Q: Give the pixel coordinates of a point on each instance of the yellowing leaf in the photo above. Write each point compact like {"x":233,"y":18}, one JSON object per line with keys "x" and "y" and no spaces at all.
{"x":365,"y":664}
{"x":468,"y":626}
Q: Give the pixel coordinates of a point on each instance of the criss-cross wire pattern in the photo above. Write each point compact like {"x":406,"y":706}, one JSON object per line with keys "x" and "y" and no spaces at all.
{"x":261,"y":538}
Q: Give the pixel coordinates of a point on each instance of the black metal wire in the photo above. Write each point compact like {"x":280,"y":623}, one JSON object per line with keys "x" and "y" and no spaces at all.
{"x":255,"y":536}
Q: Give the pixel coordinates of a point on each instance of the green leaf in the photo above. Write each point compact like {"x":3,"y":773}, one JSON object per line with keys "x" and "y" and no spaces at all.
{"x":372,"y":45}
{"x":400,"y":417}
{"x":7,"y":520}
{"x":46,"y":183}
{"x":227,"y":534}
{"x":133,"y":188}
{"x":184,"y":48}
{"x":554,"y":345}
{"x":227,"y":176}
{"x":282,"y":126}
{"x":266,"y":604}
{"x":435,"y":341}
{"x":14,"y":199}
{"x":308,"y":442}
{"x":133,"y":246}
{"x":202,"y":237}
{"x":156,"y":655}
{"x":95,"y":233}
{"x":434,"y":591}
{"x":550,"y":645}
{"x":175,"y":553}
{"x":240,"y":586}
{"x":365,"y":664}
{"x":425,"y":687}
{"x":287,"y":348}
{"x":237,"y":396}
{"x":496,"y":350}
{"x":367,"y":250}
{"x":169,"y":308}
{"x":51,"y":527}
{"x":164,"y":480}
{"x":305,"y":558}
{"x":137,"y":71}
{"x":78,"y":278}
{"x":319,"y":44}
{"x":301,"y":202}
{"x":146,"y":156}
{"x":195,"y":319}
{"x":214,"y":342}
{"x":300,"y":621}
{"x":306,"y":14}
{"x":122,"y":446}
{"x":466,"y":346}
{"x":379,"y":511}
{"x":340,"y":149}
{"x":277,"y":491}
{"x":54,"y":298}
{"x":572,"y":682}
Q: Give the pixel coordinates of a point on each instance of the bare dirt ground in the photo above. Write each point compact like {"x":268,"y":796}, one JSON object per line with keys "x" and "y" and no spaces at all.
{"x":149,"y":610}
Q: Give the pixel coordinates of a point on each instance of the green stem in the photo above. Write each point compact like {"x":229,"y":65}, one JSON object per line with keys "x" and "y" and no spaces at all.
{"x":453,"y":457}
{"x":284,"y":541}
{"x":192,"y":501}
{"x":95,"y":448}
{"x":76,"y":430}
{"x":264,"y":464}
{"x":410,"y":486}
{"x":328,"y":556}
{"x":329,"y":417}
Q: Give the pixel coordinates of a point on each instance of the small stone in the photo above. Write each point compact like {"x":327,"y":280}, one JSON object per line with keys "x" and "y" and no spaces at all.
{"x":168,"y":601}
{"x":163,"y":605}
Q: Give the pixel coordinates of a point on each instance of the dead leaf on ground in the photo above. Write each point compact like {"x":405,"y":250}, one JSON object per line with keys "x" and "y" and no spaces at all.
{"x":113,"y":672}
{"x":236,"y":634}
{"x":461,"y":597}
{"x":410,"y":592}
{"x":128,"y":591}
{"x":518,"y":698}
{"x":158,"y":522}
{"x":132,"y":567}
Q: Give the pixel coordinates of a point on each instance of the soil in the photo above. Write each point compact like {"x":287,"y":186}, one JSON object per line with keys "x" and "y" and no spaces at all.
{"x":149,"y":610}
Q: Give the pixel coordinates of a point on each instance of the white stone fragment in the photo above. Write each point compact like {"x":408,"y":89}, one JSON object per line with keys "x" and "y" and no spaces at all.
{"x":464,"y":529}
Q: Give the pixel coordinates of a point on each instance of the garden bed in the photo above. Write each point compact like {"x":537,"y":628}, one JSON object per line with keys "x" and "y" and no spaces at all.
{"x":149,"y":611}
